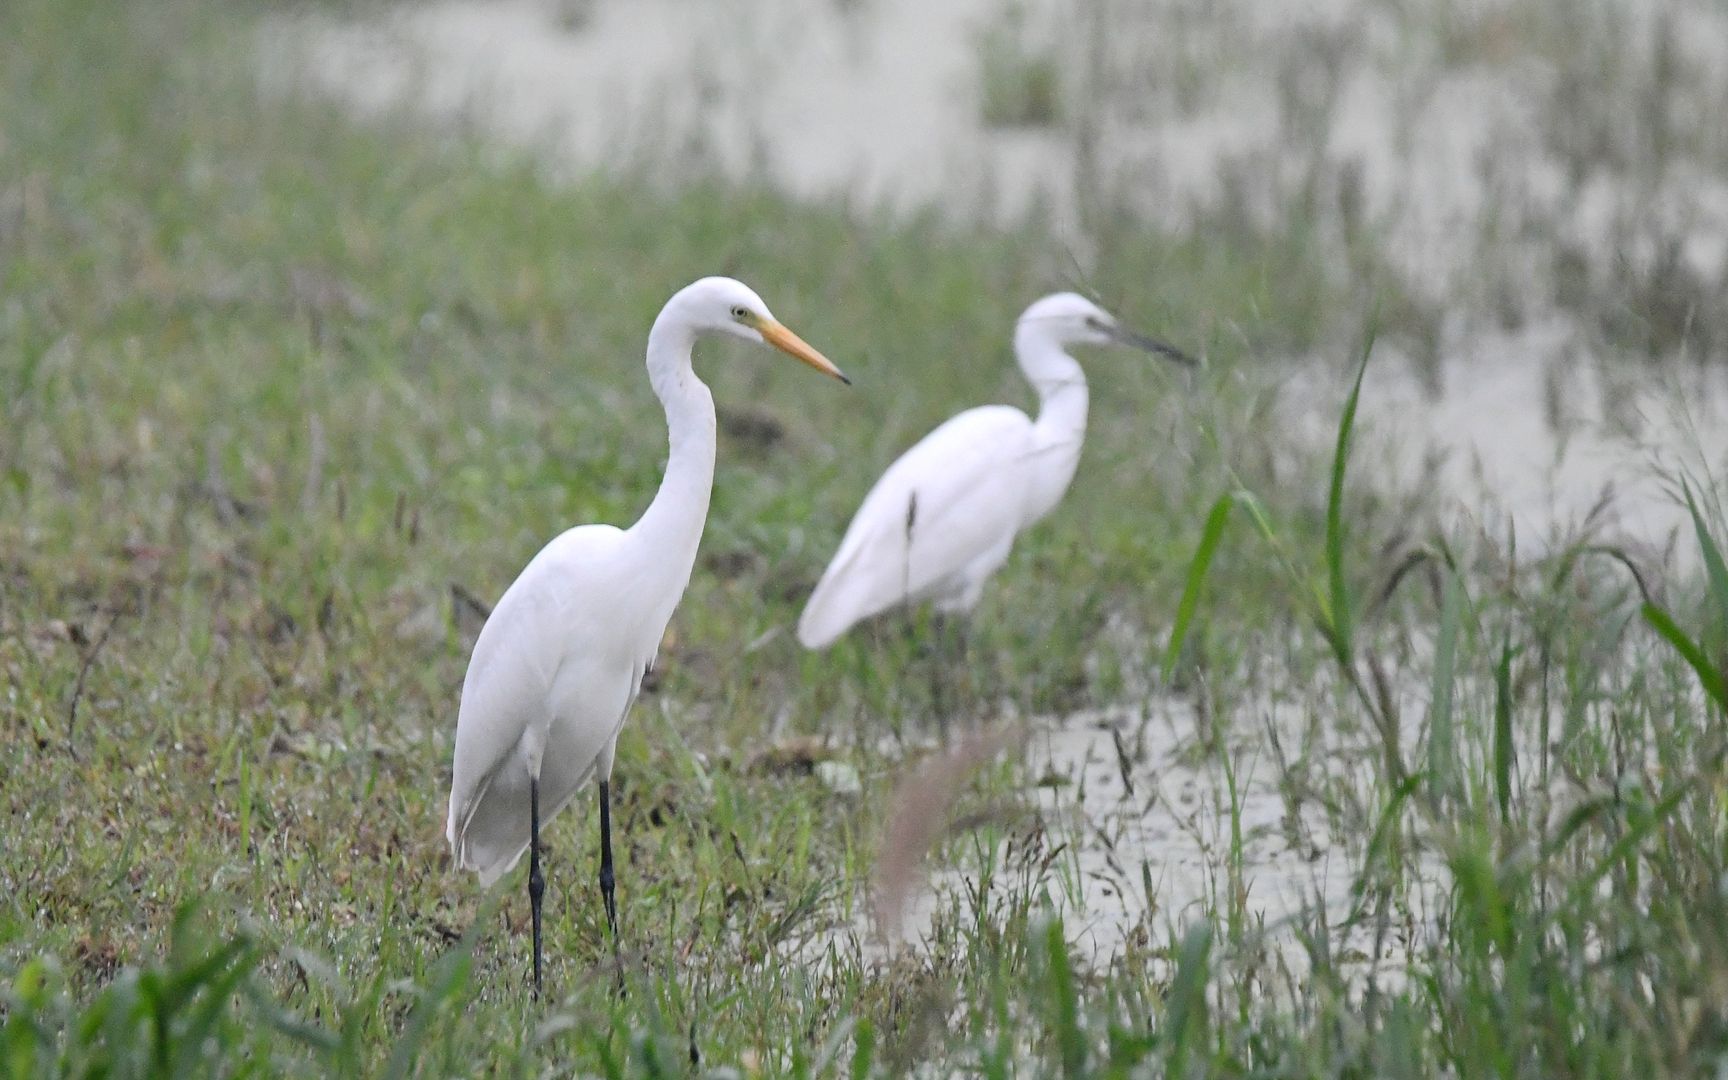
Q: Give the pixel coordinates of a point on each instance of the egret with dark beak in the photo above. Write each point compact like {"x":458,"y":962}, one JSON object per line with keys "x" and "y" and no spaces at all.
{"x":943,"y":517}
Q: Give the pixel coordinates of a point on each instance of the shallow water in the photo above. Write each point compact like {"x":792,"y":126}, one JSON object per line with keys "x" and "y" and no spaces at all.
{"x":1529,"y":434}
{"x":1139,"y":832}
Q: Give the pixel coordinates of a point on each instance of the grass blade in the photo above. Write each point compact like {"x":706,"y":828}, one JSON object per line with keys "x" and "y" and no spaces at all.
{"x":1381,"y":846}
{"x":1186,"y":1015}
{"x":1634,"y":835}
{"x":233,"y":964}
{"x":444,"y":982}
{"x":864,"y":1050}
{"x":1339,"y":616}
{"x":1716,"y":569}
{"x":1715,"y":684}
{"x":1503,"y":750}
{"x":1197,"y":567}
{"x":1065,"y":1000}
{"x":1442,"y":736}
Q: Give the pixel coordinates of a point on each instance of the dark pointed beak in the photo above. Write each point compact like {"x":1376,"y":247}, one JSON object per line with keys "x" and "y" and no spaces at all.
{"x":1153,"y":345}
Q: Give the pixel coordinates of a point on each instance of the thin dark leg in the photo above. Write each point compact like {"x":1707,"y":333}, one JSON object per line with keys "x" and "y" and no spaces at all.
{"x":607,"y":891}
{"x":950,"y":677}
{"x":963,"y":655}
{"x":536,"y":881}
{"x":935,"y":656}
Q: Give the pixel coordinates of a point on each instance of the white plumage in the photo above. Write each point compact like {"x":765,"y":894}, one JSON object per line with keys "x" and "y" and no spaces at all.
{"x":550,"y":681}
{"x":943,"y":518}
{"x":562,"y":655}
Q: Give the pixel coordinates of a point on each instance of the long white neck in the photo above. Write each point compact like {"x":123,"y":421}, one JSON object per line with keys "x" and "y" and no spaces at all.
{"x":1061,"y":385}
{"x":671,"y":527}
{"x":1061,"y":425}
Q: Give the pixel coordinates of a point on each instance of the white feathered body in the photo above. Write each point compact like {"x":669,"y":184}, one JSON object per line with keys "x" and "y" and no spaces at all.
{"x":562,"y":655}
{"x":943,"y":518}
{"x":550,"y":683}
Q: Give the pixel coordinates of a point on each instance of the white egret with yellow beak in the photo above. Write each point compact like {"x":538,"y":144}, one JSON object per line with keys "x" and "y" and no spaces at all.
{"x":561,"y":658}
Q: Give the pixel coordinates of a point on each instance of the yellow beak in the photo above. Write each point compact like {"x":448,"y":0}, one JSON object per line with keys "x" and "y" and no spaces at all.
{"x":794,"y":346}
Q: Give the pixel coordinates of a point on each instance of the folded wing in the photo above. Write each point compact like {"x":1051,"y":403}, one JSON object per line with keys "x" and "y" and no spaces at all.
{"x":953,"y":499}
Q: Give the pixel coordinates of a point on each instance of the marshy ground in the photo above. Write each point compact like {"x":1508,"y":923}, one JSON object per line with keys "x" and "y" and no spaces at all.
{"x":314,"y":326}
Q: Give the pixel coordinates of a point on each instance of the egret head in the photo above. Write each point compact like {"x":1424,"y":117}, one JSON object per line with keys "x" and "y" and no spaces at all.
{"x":1070,"y":319}
{"x":721,"y":305}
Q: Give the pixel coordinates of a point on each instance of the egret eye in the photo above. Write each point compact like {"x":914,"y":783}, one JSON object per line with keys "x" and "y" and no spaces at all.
{"x":740,"y":313}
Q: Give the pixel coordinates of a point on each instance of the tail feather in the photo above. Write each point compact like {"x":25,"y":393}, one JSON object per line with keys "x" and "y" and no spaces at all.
{"x":827,"y":615}
{"x":493,"y":838}
{"x":833,"y":608}
{"x":816,"y":627}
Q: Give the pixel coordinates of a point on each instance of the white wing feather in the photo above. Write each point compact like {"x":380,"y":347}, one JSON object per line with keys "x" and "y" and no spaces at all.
{"x":964,"y":487}
{"x":525,"y":691}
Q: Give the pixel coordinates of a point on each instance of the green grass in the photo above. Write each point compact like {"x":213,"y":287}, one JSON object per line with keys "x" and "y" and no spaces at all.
{"x":273,"y":382}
